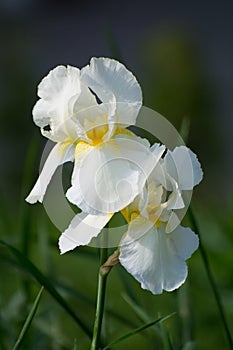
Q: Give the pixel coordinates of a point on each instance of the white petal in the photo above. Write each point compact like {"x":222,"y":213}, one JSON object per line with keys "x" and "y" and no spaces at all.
{"x":172,"y":223}
{"x":158,"y":176}
{"x":113,"y":83}
{"x":81,"y":230}
{"x":157,"y":259}
{"x":175,"y":200}
{"x":57,"y":90}
{"x":185,"y":241}
{"x":60,"y":81}
{"x":183,"y":165}
{"x":92,"y":117}
{"x":45,"y":115}
{"x":55,"y":158}
{"x":108,"y":177}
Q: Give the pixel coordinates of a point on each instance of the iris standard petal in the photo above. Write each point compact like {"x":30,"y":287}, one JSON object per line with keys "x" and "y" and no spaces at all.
{"x":113,"y":83}
{"x":183,"y":166}
{"x":60,"y":81}
{"x":55,"y":158}
{"x":81,"y":230}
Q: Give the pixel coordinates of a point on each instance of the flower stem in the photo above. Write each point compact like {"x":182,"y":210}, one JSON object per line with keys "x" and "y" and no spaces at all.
{"x":211,"y":279}
{"x":102,"y":279}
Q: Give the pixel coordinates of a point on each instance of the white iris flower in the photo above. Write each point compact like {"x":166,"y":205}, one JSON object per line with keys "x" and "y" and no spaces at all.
{"x":86,"y":112}
{"x":155,"y":247}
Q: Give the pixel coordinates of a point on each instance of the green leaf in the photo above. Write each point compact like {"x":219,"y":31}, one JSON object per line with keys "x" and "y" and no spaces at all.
{"x":44,"y":281}
{"x":137,"y":330}
{"x":28,"y":321}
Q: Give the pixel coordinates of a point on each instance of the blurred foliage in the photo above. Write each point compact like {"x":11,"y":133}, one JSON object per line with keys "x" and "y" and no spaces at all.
{"x":175,"y":84}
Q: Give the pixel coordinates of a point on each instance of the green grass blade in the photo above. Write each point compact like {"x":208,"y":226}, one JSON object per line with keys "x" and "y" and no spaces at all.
{"x":44,"y":281}
{"x":159,"y":329}
{"x":137,"y":330}
{"x":211,"y":278}
{"x":28,"y":321}
{"x":167,"y":344}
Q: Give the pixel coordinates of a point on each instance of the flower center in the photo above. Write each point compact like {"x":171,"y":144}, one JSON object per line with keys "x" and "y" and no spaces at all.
{"x":96,"y":134}
{"x":154,"y":214}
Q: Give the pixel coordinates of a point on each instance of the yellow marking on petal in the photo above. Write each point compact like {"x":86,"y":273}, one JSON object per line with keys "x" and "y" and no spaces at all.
{"x":134,"y":215}
{"x":123,"y":131}
{"x":81,"y":147}
{"x":63,"y":145}
{"x":95,"y":130}
{"x":125,"y":213}
{"x":96,"y":134}
{"x":130,"y":216}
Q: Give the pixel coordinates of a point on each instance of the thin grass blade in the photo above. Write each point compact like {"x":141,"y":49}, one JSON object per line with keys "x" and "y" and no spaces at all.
{"x":137,"y":330}
{"x":28,"y":321}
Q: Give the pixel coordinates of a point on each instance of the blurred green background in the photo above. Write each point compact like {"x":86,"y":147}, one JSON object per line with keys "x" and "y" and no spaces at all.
{"x":181,"y":53}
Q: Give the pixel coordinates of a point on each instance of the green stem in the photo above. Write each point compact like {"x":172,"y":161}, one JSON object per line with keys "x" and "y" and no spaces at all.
{"x":211,"y":279}
{"x":102,"y":279}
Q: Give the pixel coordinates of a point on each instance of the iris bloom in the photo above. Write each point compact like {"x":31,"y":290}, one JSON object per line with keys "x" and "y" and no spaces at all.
{"x":86,"y":112}
{"x":155,"y":246}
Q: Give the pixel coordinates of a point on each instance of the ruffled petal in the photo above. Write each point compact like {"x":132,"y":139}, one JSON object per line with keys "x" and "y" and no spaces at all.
{"x":183,"y":166}
{"x":61,"y":82}
{"x":81,"y":230}
{"x":57,"y":90}
{"x":157,"y":259}
{"x":108,"y":177}
{"x":113,"y":83}
{"x":55,"y":158}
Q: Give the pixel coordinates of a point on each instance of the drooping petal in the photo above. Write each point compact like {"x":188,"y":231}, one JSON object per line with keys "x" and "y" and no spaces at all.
{"x":113,"y":83}
{"x":81,"y":230}
{"x":108,"y":177}
{"x":157,"y":259}
{"x":183,"y":166}
{"x":55,"y":158}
